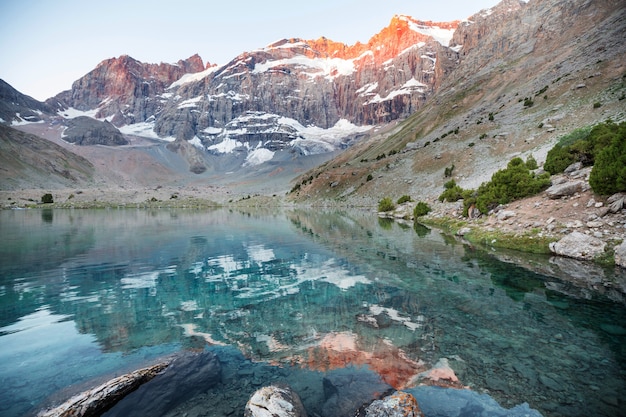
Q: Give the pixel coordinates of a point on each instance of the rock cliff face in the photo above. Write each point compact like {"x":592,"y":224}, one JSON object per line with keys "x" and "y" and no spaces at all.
{"x":123,"y":89}
{"x":316,"y":83}
{"x":313,"y":96}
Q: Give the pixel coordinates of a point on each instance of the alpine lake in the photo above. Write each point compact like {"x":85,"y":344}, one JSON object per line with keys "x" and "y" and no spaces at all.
{"x":295,"y":296}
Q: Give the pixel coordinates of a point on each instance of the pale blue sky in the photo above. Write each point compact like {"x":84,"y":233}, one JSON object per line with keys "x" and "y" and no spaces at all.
{"x":48,"y":44}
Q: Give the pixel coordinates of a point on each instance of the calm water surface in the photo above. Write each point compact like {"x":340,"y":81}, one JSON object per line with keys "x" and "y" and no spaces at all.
{"x":291,"y":297}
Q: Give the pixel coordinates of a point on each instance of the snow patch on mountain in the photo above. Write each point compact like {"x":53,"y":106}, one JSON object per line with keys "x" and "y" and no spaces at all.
{"x":258,"y":156}
{"x":195,"y":141}
{"x":408,"y":87}
{"x":326,"y":67}
{"x":72,"y":113}
{"x":227,"y":145}
{"x":192,"y":102}
{"x":144,"y":130}
{"x":441,"y":35}
{"x":193,"y":77}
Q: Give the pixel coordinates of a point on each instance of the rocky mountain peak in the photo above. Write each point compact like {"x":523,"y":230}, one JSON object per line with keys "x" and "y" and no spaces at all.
{"x":123,"y":88}
{"x":402,"y":33}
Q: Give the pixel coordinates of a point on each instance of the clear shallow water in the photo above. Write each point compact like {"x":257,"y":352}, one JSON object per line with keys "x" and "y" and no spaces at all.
{"x":86,"y":295}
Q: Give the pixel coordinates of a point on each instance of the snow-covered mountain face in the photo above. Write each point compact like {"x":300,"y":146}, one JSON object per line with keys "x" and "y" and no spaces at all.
{"x":303,"y":96}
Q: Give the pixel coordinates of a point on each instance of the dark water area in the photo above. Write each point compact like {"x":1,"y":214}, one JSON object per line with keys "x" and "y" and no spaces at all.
{"x":244,"y":299}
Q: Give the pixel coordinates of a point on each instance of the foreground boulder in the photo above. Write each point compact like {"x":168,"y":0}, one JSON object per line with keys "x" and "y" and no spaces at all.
{"x":97,"y":400}
{"x":275,"y":401}
{"x":579,"y":246}
{"x":398,"y":404}
{"x":187,"y":376}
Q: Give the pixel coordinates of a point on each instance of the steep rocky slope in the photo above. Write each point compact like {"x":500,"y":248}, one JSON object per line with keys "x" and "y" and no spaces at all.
{"x":16,"y":107}
{"x":528,"y":73}
{"x":30,"y":161}
{"x":123,"y":89}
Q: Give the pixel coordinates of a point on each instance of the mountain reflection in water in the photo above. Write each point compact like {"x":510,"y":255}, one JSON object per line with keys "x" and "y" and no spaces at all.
{"x":85,"y":295}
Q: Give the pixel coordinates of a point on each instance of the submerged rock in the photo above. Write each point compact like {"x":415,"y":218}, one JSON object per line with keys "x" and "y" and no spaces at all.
{"x":348,"y":389}
{"x":579,"y":246}
{"x":440,"y":374}
{"x":450,"y":402}
{"x":273,"y":401}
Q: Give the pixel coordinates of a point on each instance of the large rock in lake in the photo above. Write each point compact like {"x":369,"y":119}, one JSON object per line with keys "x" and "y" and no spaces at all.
{"x":188,"y":375}
{"x":275,"y":400}
{"x":398,"y":404}
{"x":84,"y":130}
{"x":346,"y":390}
{"x":579,"y":246}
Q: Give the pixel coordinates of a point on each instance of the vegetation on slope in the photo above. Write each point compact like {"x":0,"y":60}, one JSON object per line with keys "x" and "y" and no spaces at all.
{"x":514,"y":182}
{"x":603,"y":146}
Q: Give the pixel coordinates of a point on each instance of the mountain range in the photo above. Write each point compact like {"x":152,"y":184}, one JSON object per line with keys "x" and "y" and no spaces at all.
{"x":418,"y":97}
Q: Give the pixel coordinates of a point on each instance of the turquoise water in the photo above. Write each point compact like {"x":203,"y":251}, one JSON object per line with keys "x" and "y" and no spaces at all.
{"x":295,"y":296}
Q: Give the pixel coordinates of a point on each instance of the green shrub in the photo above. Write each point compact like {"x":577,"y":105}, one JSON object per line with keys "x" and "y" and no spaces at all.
{"x":47,"y":198}
{"x":421,"y":209}
{"x":608,"y":175}
{"x":509,"y":184}
{"x":386,"y":204}
{"x":581,"y":145}
{"x":575,"y":135}
{"x":531,"y":163}
{"x":558,"y":159}
{"x":597,"y":104}
{"x":404,"y":199}
{"x":369,"y":177}
{"x":452,"y":192}
{"x":448,"y":171}
{"x":528,"y":102}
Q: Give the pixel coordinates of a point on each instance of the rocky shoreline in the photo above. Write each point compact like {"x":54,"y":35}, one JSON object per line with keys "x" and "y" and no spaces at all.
{"x":567,"y":220}
{"x":158,"y":390}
